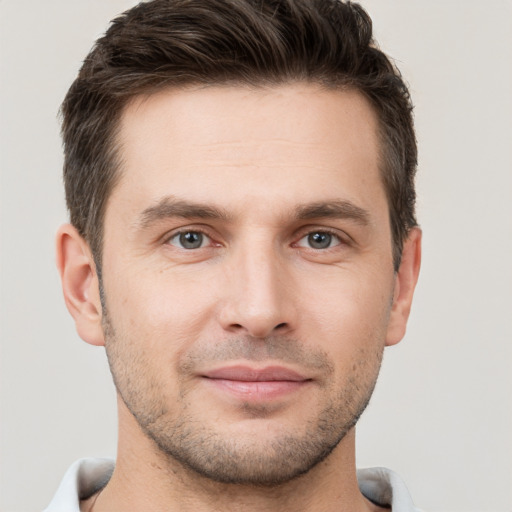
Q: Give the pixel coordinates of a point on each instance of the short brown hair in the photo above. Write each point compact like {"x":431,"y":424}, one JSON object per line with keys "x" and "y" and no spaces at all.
{"x":164,"y":43}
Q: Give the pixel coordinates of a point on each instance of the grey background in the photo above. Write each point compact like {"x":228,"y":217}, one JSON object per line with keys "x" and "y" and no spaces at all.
{"x":441,"y":415}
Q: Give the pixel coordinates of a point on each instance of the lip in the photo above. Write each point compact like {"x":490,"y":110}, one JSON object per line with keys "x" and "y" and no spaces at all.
{"x":248,"y":374}
{"x":256,"y":384}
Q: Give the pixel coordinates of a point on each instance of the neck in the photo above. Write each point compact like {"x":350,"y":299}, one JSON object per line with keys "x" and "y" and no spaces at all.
{"x":146,"y":479}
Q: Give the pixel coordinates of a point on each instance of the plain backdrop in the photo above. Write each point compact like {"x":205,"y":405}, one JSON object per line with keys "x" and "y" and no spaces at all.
{"x":441,"y":415}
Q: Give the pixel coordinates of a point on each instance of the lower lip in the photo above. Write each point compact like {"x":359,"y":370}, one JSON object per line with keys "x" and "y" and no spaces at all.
{"x":257,"y":390}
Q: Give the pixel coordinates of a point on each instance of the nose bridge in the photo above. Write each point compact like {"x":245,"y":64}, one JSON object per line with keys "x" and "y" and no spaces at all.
{"x":260,"y":275}
{"x":257,"y":301}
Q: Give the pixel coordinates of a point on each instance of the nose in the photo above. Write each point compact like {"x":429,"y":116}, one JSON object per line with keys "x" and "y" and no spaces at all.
{"x":258,"y":299}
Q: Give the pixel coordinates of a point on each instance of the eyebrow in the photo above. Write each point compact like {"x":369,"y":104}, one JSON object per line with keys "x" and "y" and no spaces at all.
{"x":334,"y":210}
{"x":169,"y":207}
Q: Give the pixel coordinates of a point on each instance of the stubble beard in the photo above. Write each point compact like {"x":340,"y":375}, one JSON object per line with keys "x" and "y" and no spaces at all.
{"x":204,"y":451}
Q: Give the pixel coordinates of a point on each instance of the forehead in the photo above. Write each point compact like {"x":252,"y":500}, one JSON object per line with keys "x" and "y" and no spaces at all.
{"x":212,"y":140}
{"x":207,"y":114}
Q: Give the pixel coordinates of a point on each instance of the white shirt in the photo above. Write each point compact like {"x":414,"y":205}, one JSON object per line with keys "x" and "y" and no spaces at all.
{"x":87,"y":476}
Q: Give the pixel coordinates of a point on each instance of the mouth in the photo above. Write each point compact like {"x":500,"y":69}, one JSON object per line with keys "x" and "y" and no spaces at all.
{"x":256,"y":384}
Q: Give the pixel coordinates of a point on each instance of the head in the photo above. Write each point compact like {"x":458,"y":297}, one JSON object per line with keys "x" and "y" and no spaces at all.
{"x":163,"y":44}
{"x":242,"y":174}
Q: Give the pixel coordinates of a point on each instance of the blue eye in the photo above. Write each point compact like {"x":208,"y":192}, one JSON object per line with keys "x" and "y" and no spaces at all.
{"x":189,"y":240}
{"x":319,"y":240}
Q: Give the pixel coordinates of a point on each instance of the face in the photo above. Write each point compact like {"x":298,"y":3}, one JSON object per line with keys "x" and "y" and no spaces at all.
{"x":248,"y":275}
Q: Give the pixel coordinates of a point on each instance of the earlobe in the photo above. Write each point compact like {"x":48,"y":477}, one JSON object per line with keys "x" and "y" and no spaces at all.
{"x":406,"y":279}
{"x":79,"y":283}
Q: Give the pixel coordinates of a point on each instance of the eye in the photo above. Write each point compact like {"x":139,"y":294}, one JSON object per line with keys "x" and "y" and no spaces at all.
{"x":319,"y":240}
{"x":189,"y":240}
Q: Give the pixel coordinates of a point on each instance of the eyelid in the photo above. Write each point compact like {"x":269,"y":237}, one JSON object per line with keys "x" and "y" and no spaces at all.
{"x":204,"y":241}
{"x":342,"y":236}
{"x":166,"y":239}
{"x":335,"y":238}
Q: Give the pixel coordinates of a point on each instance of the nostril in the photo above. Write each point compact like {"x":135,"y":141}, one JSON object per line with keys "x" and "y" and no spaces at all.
{"x":280,"y":326}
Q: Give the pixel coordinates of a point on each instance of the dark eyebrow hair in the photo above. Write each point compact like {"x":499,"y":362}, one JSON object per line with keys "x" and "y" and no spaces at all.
{"x":334,"y":209}
{"x":169,"y":206}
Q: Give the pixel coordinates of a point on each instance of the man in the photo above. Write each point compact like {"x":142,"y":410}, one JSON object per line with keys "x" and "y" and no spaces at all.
{"x":240,"y":180}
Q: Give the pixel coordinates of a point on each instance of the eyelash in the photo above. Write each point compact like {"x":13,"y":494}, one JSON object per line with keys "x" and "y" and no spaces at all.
{"x":184,"y":232}
{"x":341,"y":240}
{"x":324,"y":231}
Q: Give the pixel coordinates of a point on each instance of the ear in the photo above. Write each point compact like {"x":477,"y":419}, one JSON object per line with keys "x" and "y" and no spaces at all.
{"x":405,"y":282}
{"x":80,"y":284}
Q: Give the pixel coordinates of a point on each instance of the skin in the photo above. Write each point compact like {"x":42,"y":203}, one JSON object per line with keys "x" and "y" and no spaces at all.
{"x":258,"y":173}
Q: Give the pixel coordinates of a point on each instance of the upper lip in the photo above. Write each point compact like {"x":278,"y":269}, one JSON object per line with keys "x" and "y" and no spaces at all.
{"x":249,"y":374}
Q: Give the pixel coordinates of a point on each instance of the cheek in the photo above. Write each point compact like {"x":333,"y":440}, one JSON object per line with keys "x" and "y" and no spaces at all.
{"x":348,"y":318}
{"x":349,"y":300}
{"x":164,"y":308}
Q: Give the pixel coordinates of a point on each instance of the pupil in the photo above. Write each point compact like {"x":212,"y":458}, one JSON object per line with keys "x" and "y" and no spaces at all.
{"x":320,"y":240}
{"x":191,"y":240}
